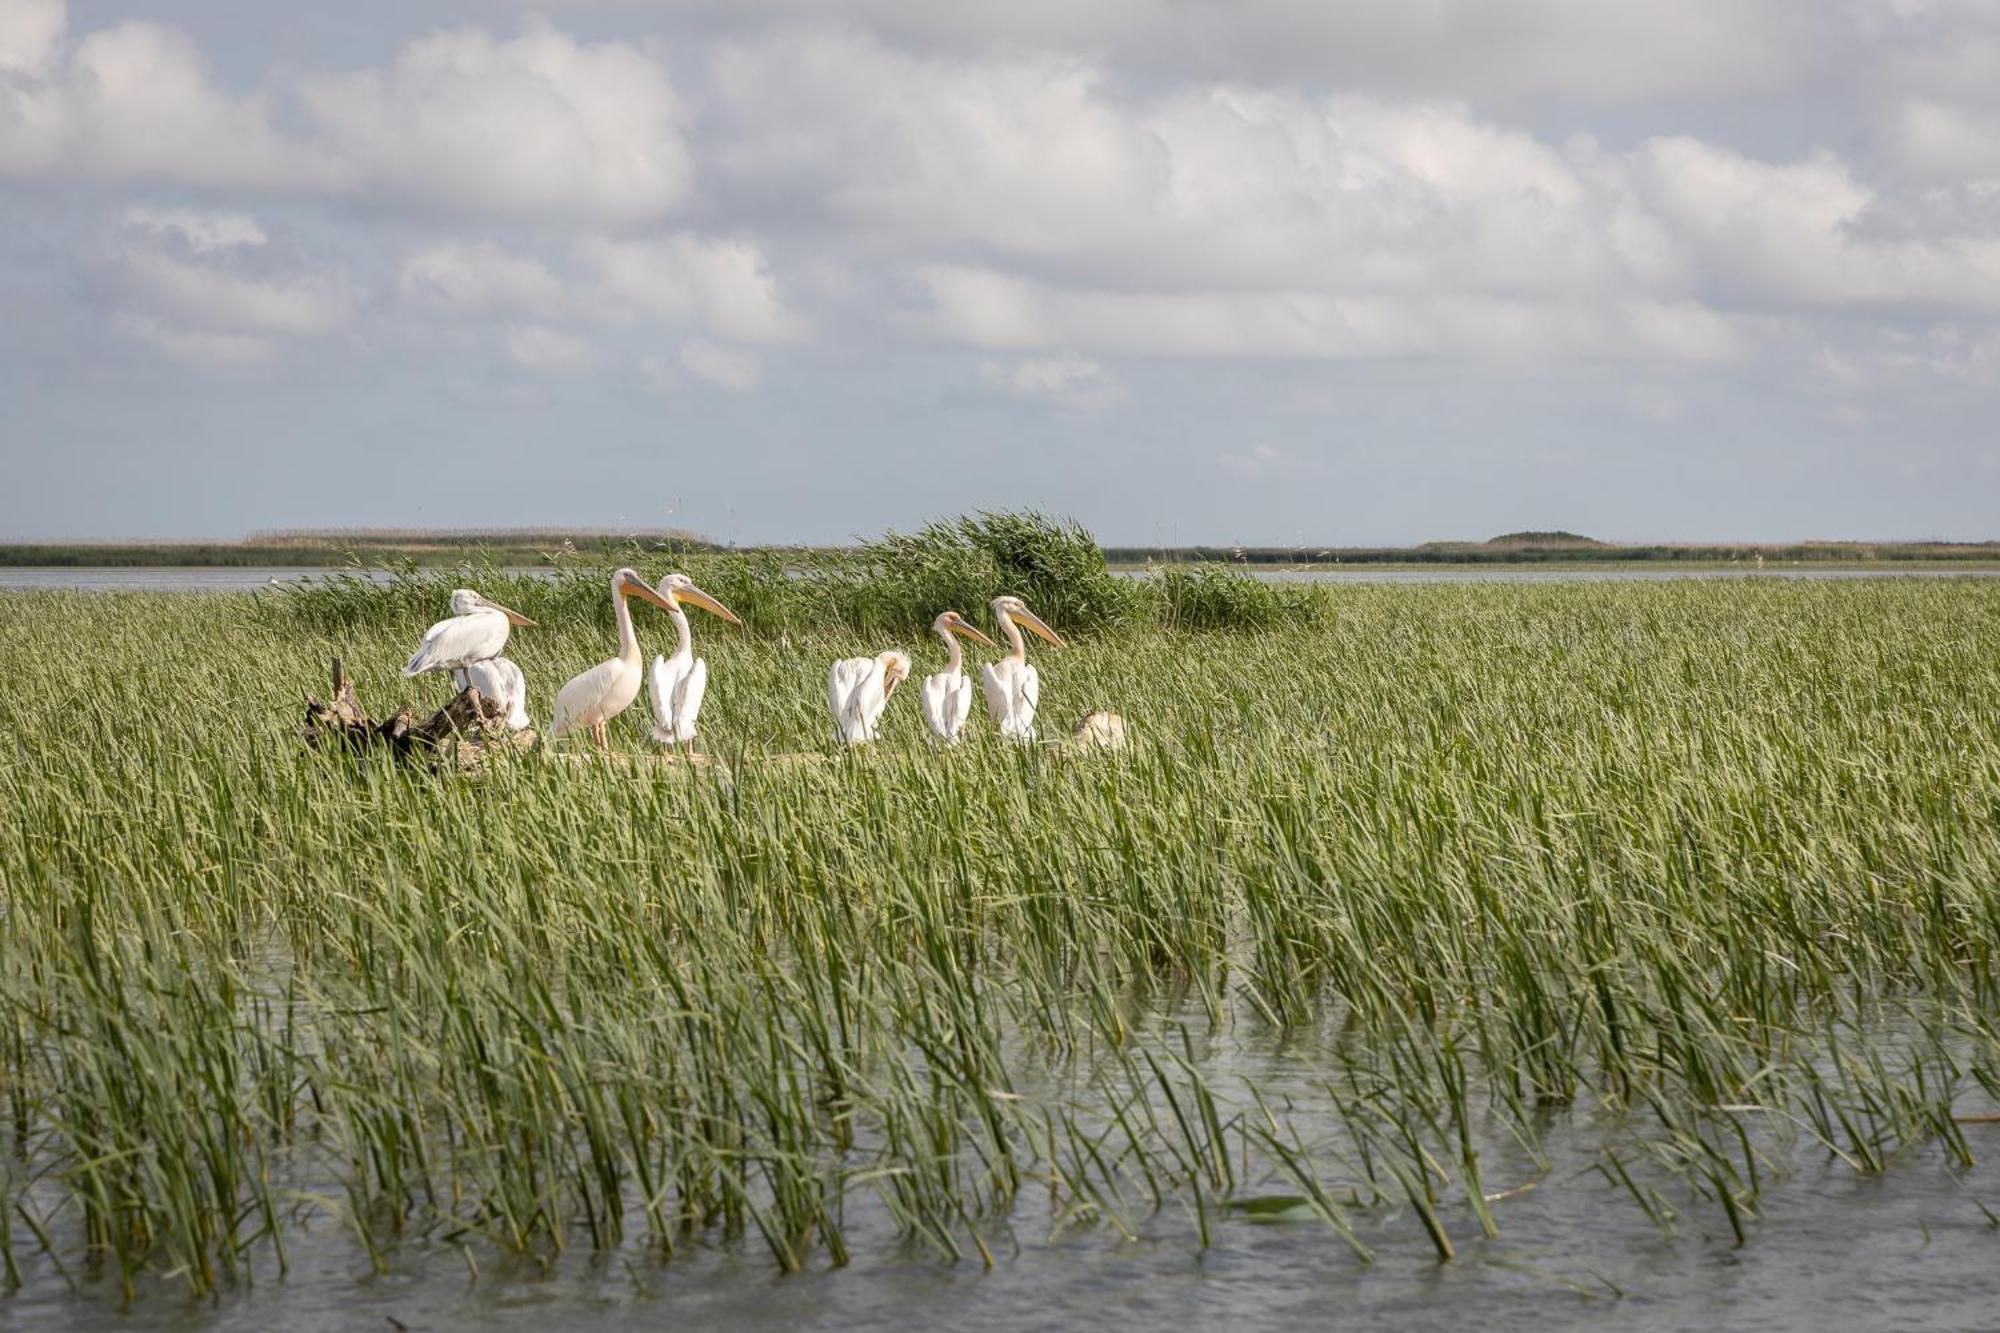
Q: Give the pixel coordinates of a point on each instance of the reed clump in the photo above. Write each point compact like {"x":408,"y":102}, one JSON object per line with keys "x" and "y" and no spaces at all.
{"x":1698,"y":875}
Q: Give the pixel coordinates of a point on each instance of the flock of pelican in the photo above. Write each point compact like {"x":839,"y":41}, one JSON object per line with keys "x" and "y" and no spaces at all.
{"x":468,"y":644}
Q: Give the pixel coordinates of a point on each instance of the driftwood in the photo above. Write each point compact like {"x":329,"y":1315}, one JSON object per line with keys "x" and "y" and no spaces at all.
{"x":461,"y":731}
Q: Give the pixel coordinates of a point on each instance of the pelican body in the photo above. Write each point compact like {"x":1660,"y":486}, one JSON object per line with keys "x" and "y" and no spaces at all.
{"x":476,"y":631}
{"x":593,"y":698}
{"x":676,"y":684}
{"x":858,"y":689}
{"x":1013,"y":688}
{"x":947,"y":696}
{"x":500,"y":680}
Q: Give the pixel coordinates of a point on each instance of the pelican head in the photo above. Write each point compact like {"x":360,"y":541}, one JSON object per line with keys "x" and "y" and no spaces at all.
{"x":627,"y":583}
{"x":1010,"y":607}
{"x":678,"y":588}
{"x":895,"y":667}
{"x":951,"y":622}
{"x":464,"y":602}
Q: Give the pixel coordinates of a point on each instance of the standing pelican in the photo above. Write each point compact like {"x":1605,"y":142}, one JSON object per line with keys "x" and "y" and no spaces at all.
{"x":500,"y":680}
{"x":1013,"y":688}
{"x":677,"y":683}
{"x":947,"y":696}
{"x":858,"y":689}
{"x":607,"y":689}
{"x":476,"y":631}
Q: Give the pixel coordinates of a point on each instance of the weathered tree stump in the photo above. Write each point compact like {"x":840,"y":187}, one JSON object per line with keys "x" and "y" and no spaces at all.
{"x":460,"y":731}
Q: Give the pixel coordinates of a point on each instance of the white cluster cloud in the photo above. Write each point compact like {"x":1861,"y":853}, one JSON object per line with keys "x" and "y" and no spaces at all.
{"x":539,"y":126}
{"x":995,"y":178}
{"x":179,"y":281}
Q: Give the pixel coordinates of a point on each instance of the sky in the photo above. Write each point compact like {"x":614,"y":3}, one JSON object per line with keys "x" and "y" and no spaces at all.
{"x":1263,"y":271}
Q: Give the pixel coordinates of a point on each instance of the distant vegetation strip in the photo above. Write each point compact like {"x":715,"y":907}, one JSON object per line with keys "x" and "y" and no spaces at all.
{"x":535,"y":546}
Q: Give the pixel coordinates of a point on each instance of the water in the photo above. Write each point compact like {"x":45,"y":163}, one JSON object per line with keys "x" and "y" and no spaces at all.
{"x":1835,"y":1251}
{"x":232,"y":579}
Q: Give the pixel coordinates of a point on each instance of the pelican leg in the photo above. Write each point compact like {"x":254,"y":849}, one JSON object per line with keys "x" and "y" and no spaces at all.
{"x":597,"y":734}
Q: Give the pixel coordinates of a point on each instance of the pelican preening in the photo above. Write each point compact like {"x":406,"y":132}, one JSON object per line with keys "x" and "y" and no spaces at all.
{"x":1013,"y":688}
{"x":475,"y":632}
{"x":500,"y":681}
{"x":947,"y":696}
{"x":676,"y":684}
{"x":596,"y":696}
{"x":858,"y":689}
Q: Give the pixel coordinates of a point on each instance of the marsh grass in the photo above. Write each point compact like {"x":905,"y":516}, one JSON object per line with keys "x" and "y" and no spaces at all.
{"x":1701,"y":873}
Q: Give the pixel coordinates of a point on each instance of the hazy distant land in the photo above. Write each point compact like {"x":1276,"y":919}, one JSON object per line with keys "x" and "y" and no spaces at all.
{"x":531,"y":546}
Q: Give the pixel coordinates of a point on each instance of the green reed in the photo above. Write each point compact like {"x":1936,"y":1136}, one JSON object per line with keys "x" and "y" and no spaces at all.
{"x":1382,"y":895}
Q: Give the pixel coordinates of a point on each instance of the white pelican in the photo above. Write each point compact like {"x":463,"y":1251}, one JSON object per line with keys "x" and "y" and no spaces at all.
{"x":607,"y":689}
{"x":476,"y":631}
{"x":858,"y":689}
{"x":1013,"y":688}
{"x":500,"y":680}
{"x":677,"y":683}
{"x":947,"y":696}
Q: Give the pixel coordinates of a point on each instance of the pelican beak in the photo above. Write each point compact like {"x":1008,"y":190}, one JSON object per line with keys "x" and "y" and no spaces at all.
{"x":1034,"y":622}
{"x":640,"y":590}
{"x":513,"y":617}
{"x":964,"y":630}
{"x":708,"y":604}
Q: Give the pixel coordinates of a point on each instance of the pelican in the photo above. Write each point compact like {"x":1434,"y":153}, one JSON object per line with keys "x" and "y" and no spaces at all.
{"x":476,"y":631}
{"x":947,"y":696}
{"x":1013,"y":688}
{"x":501,"y":681}
{"x":677,"y":683}
{"x":858,"y":689}
{"x":607,"y":689}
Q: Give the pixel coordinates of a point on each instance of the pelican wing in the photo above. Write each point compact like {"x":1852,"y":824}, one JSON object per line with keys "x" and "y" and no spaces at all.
{"x":501,"y":681}
{"x":589,"y":697}
{"x":936,"y":699}
{"x":1013,"y":689}
{"x":842,"y":686}
{"x":687,"y":699}
{"x":662,"y":683}
{"x":459,"y":641}
{"x":870,"y":697}
{"x":958,"y":704}
{"x":947,"y":700}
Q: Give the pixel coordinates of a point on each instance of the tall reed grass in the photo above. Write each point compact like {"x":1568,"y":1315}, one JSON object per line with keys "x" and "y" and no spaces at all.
{"x":1702,"y":874}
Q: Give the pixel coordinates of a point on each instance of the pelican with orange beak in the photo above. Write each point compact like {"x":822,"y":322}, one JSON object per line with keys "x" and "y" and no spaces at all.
{"x":947,"y":696}
{"x":1013,"y":688}
{"x":676,"y":684}
{"x":475,"y":632}
{"x":596,"y":696}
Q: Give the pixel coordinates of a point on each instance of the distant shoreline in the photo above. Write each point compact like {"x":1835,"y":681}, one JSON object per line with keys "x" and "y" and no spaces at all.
{"x":518,"y":549}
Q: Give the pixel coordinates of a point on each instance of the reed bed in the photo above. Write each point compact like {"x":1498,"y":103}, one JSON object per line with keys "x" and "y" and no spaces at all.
{"x":1392,"y":888}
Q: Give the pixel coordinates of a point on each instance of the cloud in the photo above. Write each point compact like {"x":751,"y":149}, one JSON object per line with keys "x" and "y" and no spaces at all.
{"x":200,"y":231}
{"x":724,"y":284}
{"x":729,"y":368}
{"x":547,"y":351}
{"x":478,"y":278}
{"x":540,"y":125}
{"x":135,"y":101}
{"x":30,"y":33}
{"x":1598,"y":51}
{"x":1072,"y":382}
{"x":204,"y":289}
{"x":196,"y":348}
